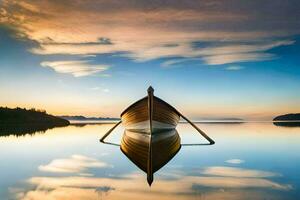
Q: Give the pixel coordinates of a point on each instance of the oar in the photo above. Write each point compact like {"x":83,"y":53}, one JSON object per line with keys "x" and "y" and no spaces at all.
{"x":110,"y":130}
{"x":198,"y":129}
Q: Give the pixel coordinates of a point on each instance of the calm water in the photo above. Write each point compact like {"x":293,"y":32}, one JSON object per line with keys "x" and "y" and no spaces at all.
{"x":248,"y":161}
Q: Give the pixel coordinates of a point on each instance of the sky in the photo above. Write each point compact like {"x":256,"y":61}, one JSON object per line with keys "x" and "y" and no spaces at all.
{"x":209,"y":59}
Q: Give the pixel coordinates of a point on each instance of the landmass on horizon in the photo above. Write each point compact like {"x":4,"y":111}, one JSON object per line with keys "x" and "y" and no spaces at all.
{"x":83,"y":118}
{"x":22,"y":115}
{"x":287,"y":120}
{"x":288,"y":117}
{"x":221,"y":119}
{"x":20,"y":121}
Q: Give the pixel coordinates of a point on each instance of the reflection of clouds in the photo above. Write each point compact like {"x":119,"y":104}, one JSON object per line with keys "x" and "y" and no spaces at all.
{"x":237,"y":172}
{"x":18,"y":193}
{"x":104,"y":189}
{"x":134,"y":186}
{"x":90,"y":194}
{"x":60,"y":194}
{"x":86,"y":174}
{"x":171,"y":174}
{"x":233,"y":177}
{"x":231,"y":194}
{"x":235,"y":161}
{"x":75,"y":163}
{"x":215,"y":182}
{"x":233,"y":182}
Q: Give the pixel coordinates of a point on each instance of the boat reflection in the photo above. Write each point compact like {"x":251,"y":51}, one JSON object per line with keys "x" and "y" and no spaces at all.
{"x":150,"y":152}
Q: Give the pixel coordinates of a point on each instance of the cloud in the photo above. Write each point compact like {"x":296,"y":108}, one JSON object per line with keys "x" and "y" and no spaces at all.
{"x":232,"y":182}
{"x":172,"y":62}
{"x":233,"y":177}
{"x":232,"y":53}
{"x":237,"y":172}
{"x":226,"y":185}
{"x":74,"y":164}
{"x":89,"y":187}
{"x":105,"y":90}
{"x":86,"y":174}
{"x":238,"y":57}
{"x":235,"y":161}
{"x":75,"y":67}
{"x":104,"y":190}
{"x":141,"y":31}
{"x":234,"y":68}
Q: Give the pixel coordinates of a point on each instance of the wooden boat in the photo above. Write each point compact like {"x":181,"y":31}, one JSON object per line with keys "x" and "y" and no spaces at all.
{"x":150,"y":139}
{"x":151,"y":115}
{"x":150,"y":153}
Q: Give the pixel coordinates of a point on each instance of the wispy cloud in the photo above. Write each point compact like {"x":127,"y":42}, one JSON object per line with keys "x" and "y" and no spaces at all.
{"x":238,"y":57}
{"x":75,"y":67}
{"x":234,"y":68}
{"x":100,"y":89}
{"x":234,"y":177}
{"x":235,"y":161}
{"x":230,"y":34}
{"x":104,"y":190}
{"x":232,"y":182}
{"x":89,"y":187}
{"x":172,"y":62}
{"x":237,"y":172}
{"x":74,"y":164}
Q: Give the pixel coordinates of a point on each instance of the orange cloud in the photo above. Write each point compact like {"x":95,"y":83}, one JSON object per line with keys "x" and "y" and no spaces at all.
{"x":76,"y":163}
{"x":142,"y":33}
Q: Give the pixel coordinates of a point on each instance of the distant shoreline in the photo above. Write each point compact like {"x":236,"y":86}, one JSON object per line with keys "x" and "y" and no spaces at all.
{"x":181,"y":122}
{"x":292,"y":117}
{"x":20,"y":121}
{"x":83,"y":118}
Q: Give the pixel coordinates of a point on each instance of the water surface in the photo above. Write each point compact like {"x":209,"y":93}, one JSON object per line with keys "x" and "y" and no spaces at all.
{"x":248,"y":161}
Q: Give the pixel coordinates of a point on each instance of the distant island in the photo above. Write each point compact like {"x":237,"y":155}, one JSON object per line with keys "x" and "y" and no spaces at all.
{"x":20,"y":121}
{"x":83,"y":118}
{"x":288,"y":117}
{"x":222,"y":119}
{"x":287,"y":120}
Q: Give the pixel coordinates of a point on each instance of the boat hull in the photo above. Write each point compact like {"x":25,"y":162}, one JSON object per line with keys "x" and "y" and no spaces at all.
{"x":137,"y":118}
{"x":150,"y":152}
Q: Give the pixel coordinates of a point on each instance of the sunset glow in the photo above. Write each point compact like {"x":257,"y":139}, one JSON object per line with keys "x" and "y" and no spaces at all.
{"x":210,"y":59}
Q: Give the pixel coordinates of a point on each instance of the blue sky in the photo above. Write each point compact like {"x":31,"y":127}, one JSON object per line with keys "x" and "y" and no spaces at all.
{"x":209,"y":59}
